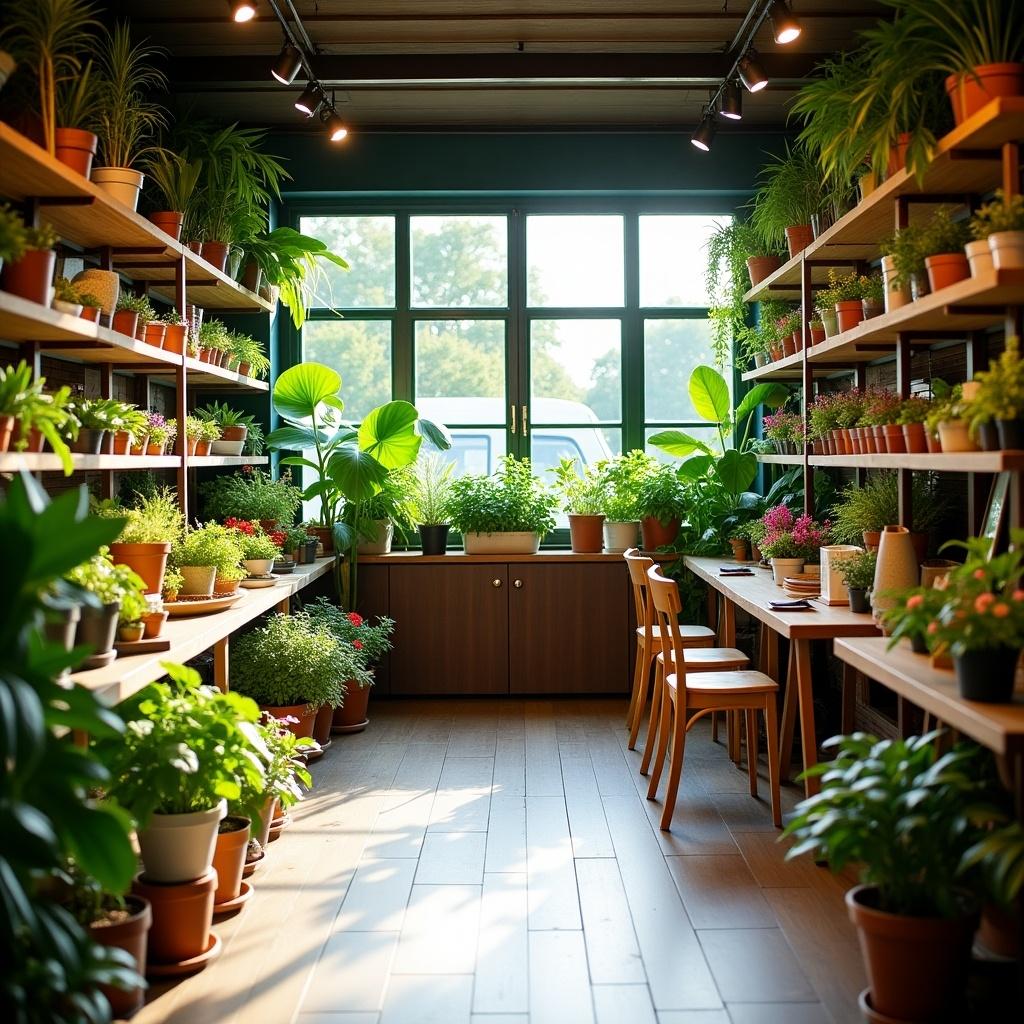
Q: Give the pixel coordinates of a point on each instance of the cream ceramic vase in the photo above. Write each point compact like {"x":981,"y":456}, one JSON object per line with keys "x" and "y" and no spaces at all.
{"x":896,"y":568}
{"x":783,"y":567}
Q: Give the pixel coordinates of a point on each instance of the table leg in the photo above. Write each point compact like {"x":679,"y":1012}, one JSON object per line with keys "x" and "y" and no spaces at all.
{"x":220,"y":665}
{"x":849,"y":697}
{"x":283,"y":606}
{"x":805,"y":692}
{"x":789,"y":705}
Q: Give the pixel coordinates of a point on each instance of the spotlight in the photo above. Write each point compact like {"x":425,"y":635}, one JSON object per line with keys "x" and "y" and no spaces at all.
{"x":336,"y":130}
{"x":703,"y":136}
{"x":751,"y":73}
{"x":784,"y":26}
{"x":732,"y":101}
{"x":242,"y":10}
{"x":309,"y":102}
{"x":287,"y":65}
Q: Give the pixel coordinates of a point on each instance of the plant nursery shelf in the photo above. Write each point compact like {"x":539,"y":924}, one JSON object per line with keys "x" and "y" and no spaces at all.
{"x":204,"y":461}
{"x":941,"y":462}
{"x":461,"y":558}
{"x":191,"y":636}
{"x":781,"y":460}
{"x":787,"y":368}
{"x":47,"y":462}
{"x":206,"y":374}
{"x":1000,"y":727}
{"x":966,"y":162}
{"x":85,"y":215}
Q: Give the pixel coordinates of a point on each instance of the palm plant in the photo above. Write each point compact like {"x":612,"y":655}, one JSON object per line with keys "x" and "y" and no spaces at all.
{"x":50,"y":36}
{"x":789,"y":194}
{"x":174,"y":177}
{"x":126,"y":119}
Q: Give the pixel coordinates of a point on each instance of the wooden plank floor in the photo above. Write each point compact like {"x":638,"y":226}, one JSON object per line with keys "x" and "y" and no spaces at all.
{"x":496,"y":862}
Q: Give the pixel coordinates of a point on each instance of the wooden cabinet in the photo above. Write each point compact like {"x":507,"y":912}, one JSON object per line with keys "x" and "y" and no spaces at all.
{"x":542,"y":625}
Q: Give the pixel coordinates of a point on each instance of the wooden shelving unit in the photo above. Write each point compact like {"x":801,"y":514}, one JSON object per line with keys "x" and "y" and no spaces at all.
{"x":781,"y":460}
{"x":942,"y":462}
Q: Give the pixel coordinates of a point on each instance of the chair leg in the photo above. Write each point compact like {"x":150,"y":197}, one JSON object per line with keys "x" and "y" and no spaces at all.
{"x":634,"y":695}
{"x":675,"y":768}
{"x":664,"y":731}
{"x":640,"y":684}
{"x":771,"y":729}
{"x":751,"y":716}
{"x":652,"y":725}
{"x":714,"y":726}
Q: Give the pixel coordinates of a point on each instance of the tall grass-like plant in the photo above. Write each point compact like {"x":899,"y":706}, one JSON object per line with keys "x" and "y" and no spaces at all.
{"x":876,"y":505}
{"x":432,"y":489}
{"x":174,"y":177}
{"x":789,"y":194}
{"x":126,"y":119}
{"x":51,"y":37}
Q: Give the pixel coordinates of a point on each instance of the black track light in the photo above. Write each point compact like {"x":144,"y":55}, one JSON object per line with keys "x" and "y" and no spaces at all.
{"x":732,"y":101}
{"x":336,"y":130}
{"x":309,"y":102}
{"x":242,"y":10}
{"x":751,"y":73}
{"x":785,"y":27}
{"x":704,"y":135}
{"x":287,"y":65}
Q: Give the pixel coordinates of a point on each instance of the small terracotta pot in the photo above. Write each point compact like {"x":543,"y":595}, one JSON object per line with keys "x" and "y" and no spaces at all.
{"x":933,"y":441}
{"x":968,"y":93}
{"x":148,"y":560}
{"x":788,"y":348}
{"x":31,"y":277}
{"x":155,"y":449}
{"x":153,"y":623}
{"x":1007,"y":248}
{"x":125,"y":322}
{"x":586,"y":533}
{"x":6,"y":432}
{"x":898,"y":154}
{"x":322,"y":724}
{"x":739,"y":548}
{"x":322,"y":533}
{"x":894,"y":443}
{"x":140,"y":447}
{"x":229,"y":857}
{"x":872,"y":539}
{"x":243,"y":369}
{"x":849,"y":313}
{"x":857,"y":440}
{"x":878,"y":433}
{"x":303,"y":712}
{"x":169,"y":222}
{"x":352,"y":716}
{"x":776,"y":352}
{"x":946,"y":269}
{"x":76,"y":149}
{"x":203,"y":447}
{"x":154,"y":334}
{"x":174,"y":338}
{"x":190,"y":445}
{"x":654,"y":534}
{"x":140,"y":330}
{"x":225,"y":586}
{"x":761,"y":267}
{"x":252,"y":276}
{"x":215,"y":253}
{"x":895,"y":298}
{"x":955,"y":436}
{"x":914,"y":438}
{"x":182,"y":916}
{"x":817,"y":335}
{"x":130,"y":935}
{"x":798,"y":238}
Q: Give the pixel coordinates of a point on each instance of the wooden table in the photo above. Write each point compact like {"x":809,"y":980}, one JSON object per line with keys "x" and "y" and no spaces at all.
{"x":753,"y":594}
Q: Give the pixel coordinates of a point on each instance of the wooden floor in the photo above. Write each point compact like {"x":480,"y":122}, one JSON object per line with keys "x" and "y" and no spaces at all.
{"x":496,"y":862}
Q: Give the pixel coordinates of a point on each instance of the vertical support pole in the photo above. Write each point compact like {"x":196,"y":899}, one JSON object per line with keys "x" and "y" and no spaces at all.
{"x":220,"y":665}
{"x":903,"y":389}
{"x":976,"y":353}
{"x":181,"y":380}
{"x":1011,"y":169}
{"x":806,"y":302}
{"x":107,"y":391}
{"x":860,"y":380}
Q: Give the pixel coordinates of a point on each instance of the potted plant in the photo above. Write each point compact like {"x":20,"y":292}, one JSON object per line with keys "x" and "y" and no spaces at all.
{"x":789,"y":193}
{"x":431,"y":491}
{"x":175,"y":179}
{"x":370,"y":643}
{"x":1000,"y":396}
{"x":128,"y":311}
{"x":908,"y":833}
{"x":910,"y":616}
{"x":948,"y":418}
{"x":623,"y":476}
{"x":285,"y":776}
{"x":913,"y":413}
{"x":154,"y":618}
{"x":822,"y":415}
{"x":943,"y":249}
{"x":29,"y":415}
{"x":374,"y":520}
{"x":13,"y":239}
{"x":252,"y":494}
{"x":1001,"y":223}
{"x":151,"y":526}
{"x":234,"y":427}
{"x":203,"y":556}
{"x":252,"y":360}
{"x":175,"y":329}
{"x":292,"y":666}
{"x":903,"y":267}
{"x":786,"y":431}
{"x":258,"y":549}
{"x":130,"y":624}
{"x":847,"y":293}
{"x":872,"y":292}
{"x":125,"y":119}
{"x":172,"y":584}
{"x":858,"y":573}
{"x":583,"y":497}
{"x":506,"y":513}
{"x":863,"y":511}
{"x":66,"y":297}
{"x":661,"y":501}
{"x":161,"y":433}
{"x":299,"y":545}
{"x":789,"y":541}
{"x":825,"y":305}
{"x":114,"y":588}
{"x":29,"y":275}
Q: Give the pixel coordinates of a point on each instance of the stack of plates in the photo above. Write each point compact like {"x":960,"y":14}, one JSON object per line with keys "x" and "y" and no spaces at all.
{"x":803,"y":584}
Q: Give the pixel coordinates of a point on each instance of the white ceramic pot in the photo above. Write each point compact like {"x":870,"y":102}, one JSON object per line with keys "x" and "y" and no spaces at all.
{"x":71,"y":308}
{"x":258,"y":566}
{"x":979,"y":255}
{"x":199,"y":580}
{"x":783,"y":567}
{"x":894,"y":297}
{"x":620,"y":536}
{"x":1007,"y":249}
{"x":380,"y":544}
{"x":501,"y":543}
{"x":179,"y":847}
{"x":896,"y":568}
{"x":227,"y":447}
{"x":120,"y":183}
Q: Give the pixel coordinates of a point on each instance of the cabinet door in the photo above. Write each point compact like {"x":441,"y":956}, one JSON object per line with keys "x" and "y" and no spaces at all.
{"x":374,"y":600}
{"x":568,"y":628}
{"x":451,"y":632}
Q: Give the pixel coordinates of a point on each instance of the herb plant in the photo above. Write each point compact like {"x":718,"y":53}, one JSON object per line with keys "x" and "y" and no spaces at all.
{"x":208,"y":545}
{"x":251,"y":494}
{"x":623,"y":476}
{"x":151,"y":519}
{"x":1001,"y":214}
{"x":858,"y":571}
{"x":661,"y":496}
{"x":584,"y":490}
{"x":512,"y":500}
{"x":876,"y":505}
{"x":371,"y":642}
{"x":13,"y":241}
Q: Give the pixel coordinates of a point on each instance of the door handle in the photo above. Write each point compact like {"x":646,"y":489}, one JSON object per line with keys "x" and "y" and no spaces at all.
{"x":518,"y":584}
{"x":513,"y":408}
{"x":495,"y":583}
{"x":522,"y":419}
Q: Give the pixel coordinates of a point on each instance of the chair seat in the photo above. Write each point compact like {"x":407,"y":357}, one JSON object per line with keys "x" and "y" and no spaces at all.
{"x":711,"y":659}
{"x":723,"y":683}
{"x":686,"y":633}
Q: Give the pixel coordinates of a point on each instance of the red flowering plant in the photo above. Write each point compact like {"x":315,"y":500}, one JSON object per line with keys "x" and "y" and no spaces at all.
{"x":254,"y":541}
{"x":370,"y":640}
{"x":789,"y":536}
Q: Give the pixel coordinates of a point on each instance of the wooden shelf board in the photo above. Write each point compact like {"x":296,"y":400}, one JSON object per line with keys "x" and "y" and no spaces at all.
{"x":46,"y":462}
{"x":781,"y":460}
{"x":203,"y":461}
{"x":942,"y":462}
{"x":969,"y":305}
{"x":206,"y":375}
{"x":786,"y":368}
{"x":459,"y":557}
{"x":1000,"y":727}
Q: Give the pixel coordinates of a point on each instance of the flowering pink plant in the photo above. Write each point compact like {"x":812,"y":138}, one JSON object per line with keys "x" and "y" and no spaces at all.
{"x":787,"y":536}
{"x":784,"y":426}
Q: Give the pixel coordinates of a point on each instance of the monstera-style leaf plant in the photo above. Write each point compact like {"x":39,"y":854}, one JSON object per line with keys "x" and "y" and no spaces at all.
{"x":346,"y":465}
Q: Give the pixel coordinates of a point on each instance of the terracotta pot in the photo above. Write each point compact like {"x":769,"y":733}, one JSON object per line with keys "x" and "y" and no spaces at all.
{"x":153,"y":624}
{"x":934,"y":442}
{"x":849,"y":313}
{"x":174,"y":338}
{"x":120,"y":183}
{"x":1000,"y":930}
{"x":261,"y":828}
{"x":776,"y":352}
{"x":872,"y":308}
{"x":955,"y":436}
{"x":76,"y":148}
{"x":155,"y":449}
{"x":979,"y":256}
{"x":896,"y":568}
{"x":139,"y":447}
{"x":148,"y":560}
{"x":140,"y":330}
{"x":836,"y":446}
{"x":252,"y":276}
{"x":895,"y":298}
{"x":130,"y":934}
{"x":798,"y":340}
{"x":169,"y":222}
{"x":243,"y":369}
{"x":946,"y":269}
{"x":351,"y":716}
{"x":203,"y":447}
{"x":6,"y":432}
{"x":898,"y":154}
{"x":190,"y":445}
{"x":182,"y":916}
{"x":916,"y":966}
{"x":302,"y":712}
{"x":739,"y":548}
{"x":788,"y":348}
{"x":199,"y":580}
{"x":229,"y":857}
{"x":1007,"y":248}
{"x":817,"y":335}
{"x":761,"y":267}
{"x":154,"y":334}
{"x":125,"y":322}
{"x":30,"y":277}
{"x":324,"y":536}
{"x":914,"y":439}
{"x":90,"y":313}
{"x":119,"y":442}
{"x":894,"y":443}
{"x":871,"y":539}
{"x":225,"y":586}
{"x":322,"y":724}
{"x":857,"y":437}
{"x":215,"y":253}
{"x":798,"y":238}
{"x":654,"y":534}
{"x":968,"y":93}
{"x":586,"y":533}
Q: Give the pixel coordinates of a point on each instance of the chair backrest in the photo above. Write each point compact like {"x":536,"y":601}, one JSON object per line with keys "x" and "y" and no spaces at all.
{"x":664,"y":595}
{"x":638,"y":566}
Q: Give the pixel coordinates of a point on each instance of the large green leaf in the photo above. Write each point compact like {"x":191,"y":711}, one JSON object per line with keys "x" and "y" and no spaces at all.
{"x":771,"y":395}
{"x":709,"y":394}
{"x":295,"y":438}
{"x":695,"y":468}
{"x":388,"y":433}
{"x":358,"y":474}
{"x":736,"y":470}
{"x":678,"y":443}
{"x":436,"y":434}
{"x":301,"y":389}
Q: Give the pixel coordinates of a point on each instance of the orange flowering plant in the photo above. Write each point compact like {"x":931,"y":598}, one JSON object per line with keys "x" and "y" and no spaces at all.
{"x":911,"y":617}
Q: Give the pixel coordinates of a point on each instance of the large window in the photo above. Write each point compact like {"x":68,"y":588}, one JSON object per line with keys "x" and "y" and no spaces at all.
{"x":527,"y":328}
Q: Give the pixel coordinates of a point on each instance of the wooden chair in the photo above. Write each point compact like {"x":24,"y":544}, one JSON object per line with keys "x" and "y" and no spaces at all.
{"x":690,"y":695}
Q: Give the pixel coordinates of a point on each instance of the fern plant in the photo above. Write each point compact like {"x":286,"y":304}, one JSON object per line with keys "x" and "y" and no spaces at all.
{"x":789,"y":194}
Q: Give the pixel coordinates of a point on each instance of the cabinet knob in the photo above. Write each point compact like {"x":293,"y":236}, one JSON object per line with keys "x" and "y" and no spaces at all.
{"x":518,"y":584}
{"x":495,"y":583}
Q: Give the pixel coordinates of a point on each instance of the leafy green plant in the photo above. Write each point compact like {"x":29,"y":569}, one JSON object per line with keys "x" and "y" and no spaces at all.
{"x":23,"y":396}
{"x":584,"y":491}
{"x":249,"y":350}
{"x":1001,"y":387}
{"x":872,"y":288}
{"x":208,"y":545}
{"x":65,"y":291}
{"x":944,"y":235}
{"x":173,"y":580}
{"x":258,"y":545}
{"x":623,"y":476}
{"x":13,"y":240}
{"x":901,"y":813}
{"x":136,"y":304}
{"x":1001,"y":214}
{"x":152,"y":518}
{"x":432,"y":488}
{"x":174,"y":178}
{"x":876,"y":504}
{"x":789,"y":193}
{"x":661,"y":496}
{"x":370,"y":642}
{"x":251,"y":494}
{"x":292,"y":660}
{"x":906,"y":248}
{"x":512,"y":500}
{"x":99,"y":413}
{"x":223,"y":415}
{"x":285,"y":773}
{"x":858,"y":571}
